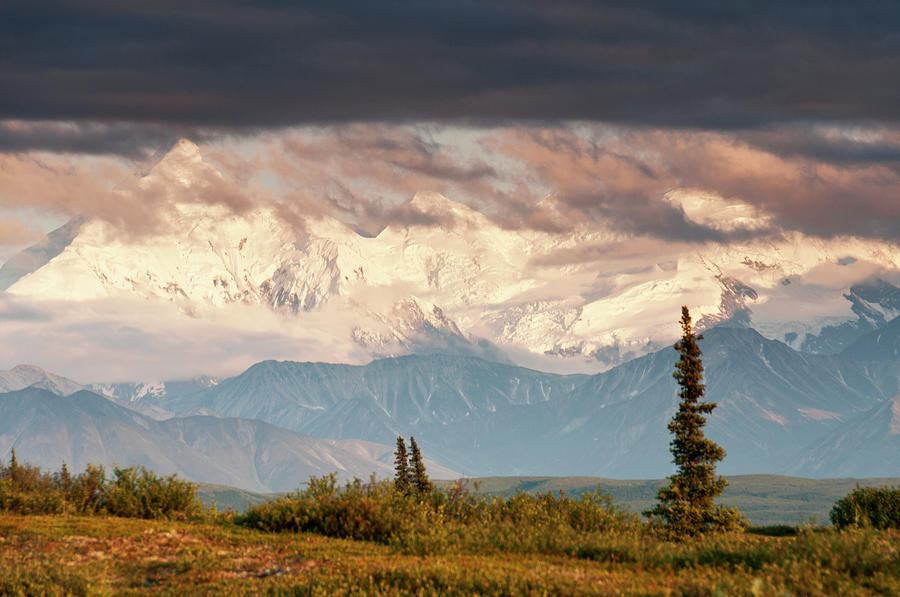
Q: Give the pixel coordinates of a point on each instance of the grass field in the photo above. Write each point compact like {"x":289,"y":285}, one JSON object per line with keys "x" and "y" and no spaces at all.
{"x":46,"y":555}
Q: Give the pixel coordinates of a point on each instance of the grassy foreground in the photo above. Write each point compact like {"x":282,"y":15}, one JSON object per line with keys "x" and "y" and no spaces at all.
{"x":105,"y":555}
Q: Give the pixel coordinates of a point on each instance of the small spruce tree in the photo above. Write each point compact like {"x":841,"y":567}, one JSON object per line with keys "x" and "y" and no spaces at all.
{"x":65,"y":478}
{"x":402,"y":473}
{"x":419,"y":479}
{"x":14,"y":470}
{"x":686,"y":504}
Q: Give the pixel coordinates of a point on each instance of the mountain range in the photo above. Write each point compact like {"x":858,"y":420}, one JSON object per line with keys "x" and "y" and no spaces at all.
{"x":436,"y":325}
{"x":84,"y":428}
{"x":779,"y":411}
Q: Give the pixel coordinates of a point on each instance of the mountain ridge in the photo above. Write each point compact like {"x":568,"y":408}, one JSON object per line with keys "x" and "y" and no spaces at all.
{"x":773,"y":403}
{"x":86,"y":428}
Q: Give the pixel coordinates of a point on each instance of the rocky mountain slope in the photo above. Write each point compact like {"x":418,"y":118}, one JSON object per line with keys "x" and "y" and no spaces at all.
{"x":47,"y":429}
{"x":481,"y":418}
{"x":866,"y":443}
{"x":880,"y":344}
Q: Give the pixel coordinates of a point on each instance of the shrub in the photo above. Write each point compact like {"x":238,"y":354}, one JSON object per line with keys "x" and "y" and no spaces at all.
{"x":875,"y":507}
{"x":441,"y":520}
{"x":24,"y":489}
{"x":85,"y":493}
{"x":134,"y":492}
{"x":140,"y":493}
{"x":374,"y":512}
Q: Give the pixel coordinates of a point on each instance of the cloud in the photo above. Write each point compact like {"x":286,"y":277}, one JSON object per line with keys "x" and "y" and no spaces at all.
{"x":16,"y":310}
{"x":14,"y":231}
{"x":845,"y":146}
{"x":111,"y":189}
{"x":367,"y":173}
{"x":789,"y":109}
{"x":623,"y":175}
{"x":673,"y":185}
{"x":138,"y":141}
{"x":125,"y":340}
{"x":693,"y":64}
{"x":62,"y":185}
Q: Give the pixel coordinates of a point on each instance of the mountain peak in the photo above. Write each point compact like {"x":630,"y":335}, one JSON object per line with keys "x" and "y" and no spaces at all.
{"x":179,"y":161}
{"x":427,"y":201}
{"x":24,"y":368}
{"x":446,"y":210}
{"x":184,"y":149}
{"x":23,"y":376}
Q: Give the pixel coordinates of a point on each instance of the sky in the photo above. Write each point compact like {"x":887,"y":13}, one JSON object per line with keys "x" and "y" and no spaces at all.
{"x":789,"y":109}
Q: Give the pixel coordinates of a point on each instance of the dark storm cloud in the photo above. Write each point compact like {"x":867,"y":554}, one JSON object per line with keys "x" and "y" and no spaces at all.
{"x":220,"y":63}
{"x":882,"y":147}
{"x":132,"y":140}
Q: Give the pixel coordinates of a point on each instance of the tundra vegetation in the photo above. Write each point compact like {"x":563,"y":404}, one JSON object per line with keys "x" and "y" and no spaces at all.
{"x":137,"y":532}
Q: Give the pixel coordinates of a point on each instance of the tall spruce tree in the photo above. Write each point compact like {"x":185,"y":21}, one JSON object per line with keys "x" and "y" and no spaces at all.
{"x":402,"y":473}
{"x":686,"y":504}
{"x":420,"y":482}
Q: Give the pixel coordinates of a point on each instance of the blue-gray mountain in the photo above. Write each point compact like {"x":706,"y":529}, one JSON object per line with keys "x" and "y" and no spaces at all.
{"x":875,"y":303}
{"x":39,"y":254}
{"x":481,"y":418}
{"x":81,"y":428}
{"x":866,"y":443}
{"x":881,"y":344}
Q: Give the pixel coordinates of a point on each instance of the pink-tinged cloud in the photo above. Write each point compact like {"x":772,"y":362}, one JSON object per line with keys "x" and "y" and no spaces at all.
{"x":623,"y":175}
{"x":527,"y":177}
{"x":14,"y":231}
{"x":112,"y":189}
{"x":61,"y":184}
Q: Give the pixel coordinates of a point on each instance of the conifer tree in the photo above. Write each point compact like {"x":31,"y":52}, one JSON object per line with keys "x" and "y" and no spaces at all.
{"x":402,"y":473}
{"x":419,"y":479}
{"x":13,"y":470}
{"x":686,"y":504}
{"x":65,"y":478}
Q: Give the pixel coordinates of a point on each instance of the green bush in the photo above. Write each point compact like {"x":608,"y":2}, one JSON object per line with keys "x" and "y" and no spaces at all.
{"x":442,"y":520}
{"x":140,"y":493}
{"x":374,"y":512}
{"x":86,"y":493}
{"x":133,"y":492}
{"x":875,"y":507}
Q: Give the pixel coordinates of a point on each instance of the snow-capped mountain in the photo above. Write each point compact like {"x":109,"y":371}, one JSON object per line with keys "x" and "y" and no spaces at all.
{"x":27,"y":376}
{"x":450,"y":279}
{"x":140,"y":391}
